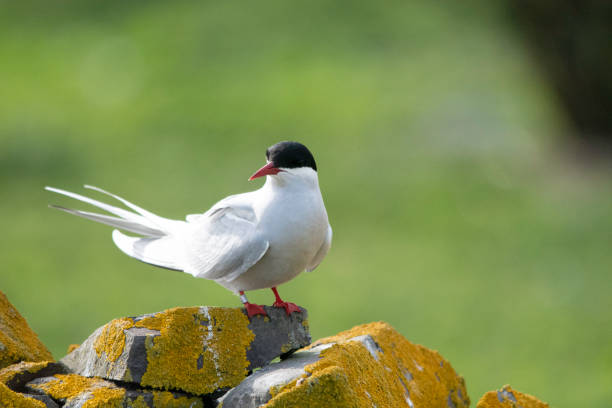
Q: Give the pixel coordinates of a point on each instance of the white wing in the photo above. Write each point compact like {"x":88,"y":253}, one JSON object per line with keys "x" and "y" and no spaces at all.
{"x":164,"y":252}
{"x":321,"y":252}
{"x":224,"y":242}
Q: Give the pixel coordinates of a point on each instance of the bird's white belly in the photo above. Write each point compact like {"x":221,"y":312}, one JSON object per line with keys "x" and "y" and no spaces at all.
{"x":292,"y":248}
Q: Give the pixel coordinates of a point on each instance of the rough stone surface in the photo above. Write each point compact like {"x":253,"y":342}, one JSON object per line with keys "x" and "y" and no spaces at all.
{"x":75,"y":391}
{"x":506,"y":397}
{"x":17,"y":340}
{"x":17,"y":375}
{"x":276,"y":335}
{"x":199,"y":350}
{"x":369,"y":365}
{"x":255,"y":390}
{"x":45,"y":399}
{"x":12,"y":399}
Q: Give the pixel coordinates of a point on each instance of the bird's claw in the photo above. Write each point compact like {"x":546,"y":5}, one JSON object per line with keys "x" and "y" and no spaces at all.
{"x":252,"y":309}
{"x":288,"y":306}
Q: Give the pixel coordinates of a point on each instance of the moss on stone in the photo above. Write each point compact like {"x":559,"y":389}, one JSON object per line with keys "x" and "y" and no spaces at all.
{"x":111,"y":340}
{"x":17,"y":340}
{"x":173,"y":356}
{"x":350,"y":375}
{"x":7,"y":374}
{"x":69,"y":386}
{"x":72,"y":347}
{"x":105,"y":394}
{"x":139,"y":403}
{"x":12,"y":399}
{"x":506,"y":397}
{"x":168,"y":400}
{"x":106,"y":397}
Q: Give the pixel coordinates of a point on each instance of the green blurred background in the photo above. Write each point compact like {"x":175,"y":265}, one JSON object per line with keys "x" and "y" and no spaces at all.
{"x":458,"y":216}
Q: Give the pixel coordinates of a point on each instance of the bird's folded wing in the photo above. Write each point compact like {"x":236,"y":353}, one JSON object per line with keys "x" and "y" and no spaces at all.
{"x":321,"y":252}
{"x":223,"y":243}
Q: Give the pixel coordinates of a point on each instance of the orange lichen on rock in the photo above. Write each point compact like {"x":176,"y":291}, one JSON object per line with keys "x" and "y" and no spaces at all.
{"x":72,"y":347}
{"x":386,"y":372}
{"x":17,"y":340}
{"x":98,"y":393}
{"x":10,"y":372}
{"x":506,"y":397}
{"x":69,"y":386}
{"x":168,"y":400}
{"x":11,"y":399}
{"x":200,"y":349}
{"x":112,"y":338}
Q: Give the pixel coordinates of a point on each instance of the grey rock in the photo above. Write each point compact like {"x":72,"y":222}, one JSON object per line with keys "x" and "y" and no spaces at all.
{"x":23,"y":372}
{"x":45,"y":399}
{"x":127,"y":397}
{"x":129,"y":367}
{"x":276,"y":335}
{"x":254,"y":391}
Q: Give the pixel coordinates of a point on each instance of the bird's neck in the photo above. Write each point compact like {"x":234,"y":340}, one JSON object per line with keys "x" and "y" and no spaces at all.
{"x":294,"y":179}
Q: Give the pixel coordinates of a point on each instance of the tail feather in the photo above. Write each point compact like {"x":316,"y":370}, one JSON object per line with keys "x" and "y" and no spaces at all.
{"x":157,"y":244}
{"x":147,"y":214}
{"x":126,"y":225}
{"x":127,"y":215}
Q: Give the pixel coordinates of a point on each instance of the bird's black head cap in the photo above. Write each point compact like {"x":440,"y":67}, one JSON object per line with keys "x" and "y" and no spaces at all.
{"x":290,"y":155}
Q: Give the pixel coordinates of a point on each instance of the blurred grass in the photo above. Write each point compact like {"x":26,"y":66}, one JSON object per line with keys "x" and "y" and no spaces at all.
{"x":454,"y":220}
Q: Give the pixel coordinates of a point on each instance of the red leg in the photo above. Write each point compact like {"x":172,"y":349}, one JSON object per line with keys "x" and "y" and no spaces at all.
{"x":251,"y":308}
{"x":289,"y":307}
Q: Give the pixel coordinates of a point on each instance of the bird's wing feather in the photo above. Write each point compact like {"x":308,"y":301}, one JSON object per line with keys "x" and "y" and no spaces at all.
{"x":164,"y":251}
{"x":128,"y":225}
{"x":154,"y":218}
{"x":224,"y":242}
{"x":321,"y":252}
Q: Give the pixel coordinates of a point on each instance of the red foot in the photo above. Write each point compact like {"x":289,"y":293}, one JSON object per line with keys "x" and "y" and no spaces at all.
{"x":289,"y":307}
{"x":253,"y":309}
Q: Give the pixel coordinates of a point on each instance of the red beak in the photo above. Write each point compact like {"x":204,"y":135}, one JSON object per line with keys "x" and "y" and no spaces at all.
{"x":265,"y":170}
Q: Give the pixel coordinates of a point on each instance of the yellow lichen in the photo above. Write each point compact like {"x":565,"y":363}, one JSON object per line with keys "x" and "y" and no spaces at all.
{"x":72,"y":347}
{"x":348,"y":375}
{"x":285,"y":348}
{"x":492,"y":399}
{"x":216,"y":339}
{"x":17,"y":340}
{"x":112,"y":338}
{"x":139,"y":403}
{"x":162,"y":399}
{"x":68,"y":386}
{"x":105,"y":397}
{"x":11,"y":399}
{"x":8,"y":373}
{"x":330,"y":388}
{"x":165,"y":399}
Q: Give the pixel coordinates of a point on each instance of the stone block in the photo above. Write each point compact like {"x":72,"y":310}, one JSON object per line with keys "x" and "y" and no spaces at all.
{"x":506,"y":397}
{"x":75,"y":391}
{"x":17,"y":340}
{"x":12,"y":399}
{"x":369,"y":365}
{"x":200,"y":350}
{"x":17,"y":375}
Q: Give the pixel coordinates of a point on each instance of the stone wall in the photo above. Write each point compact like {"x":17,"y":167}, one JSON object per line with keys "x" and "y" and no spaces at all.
{"x":203,"y":357}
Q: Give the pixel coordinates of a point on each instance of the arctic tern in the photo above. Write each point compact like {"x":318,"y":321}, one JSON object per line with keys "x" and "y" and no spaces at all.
{"x":255,"y":240}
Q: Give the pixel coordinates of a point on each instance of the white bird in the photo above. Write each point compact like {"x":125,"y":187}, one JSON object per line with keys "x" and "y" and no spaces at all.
{"x":248,"y":241}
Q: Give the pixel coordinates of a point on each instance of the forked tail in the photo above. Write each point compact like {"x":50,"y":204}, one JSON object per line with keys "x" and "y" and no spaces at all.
{"x":157,"y":244}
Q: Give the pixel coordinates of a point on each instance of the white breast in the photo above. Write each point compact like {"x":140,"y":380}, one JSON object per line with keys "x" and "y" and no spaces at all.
{"x":292,"y":217}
